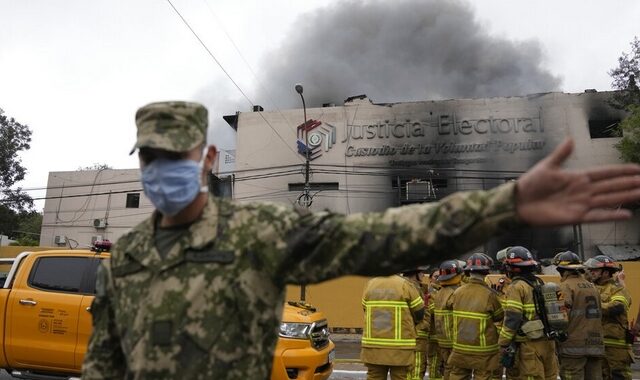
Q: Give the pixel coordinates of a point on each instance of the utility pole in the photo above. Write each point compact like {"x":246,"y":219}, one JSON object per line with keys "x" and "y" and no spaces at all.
{"x":305,"y":198}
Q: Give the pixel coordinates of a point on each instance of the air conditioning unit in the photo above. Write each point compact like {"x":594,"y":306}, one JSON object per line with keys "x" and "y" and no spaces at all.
{"x":100,"y":223}
{"x":60,"y":239}
{"x":95,"y":238}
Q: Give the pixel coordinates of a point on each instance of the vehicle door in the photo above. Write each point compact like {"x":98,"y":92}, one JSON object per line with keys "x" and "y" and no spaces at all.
{"x":85,"y":320}
{"x":42,"y":313}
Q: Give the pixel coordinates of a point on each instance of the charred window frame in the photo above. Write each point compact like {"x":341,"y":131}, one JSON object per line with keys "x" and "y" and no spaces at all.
{"x":605,"y":128}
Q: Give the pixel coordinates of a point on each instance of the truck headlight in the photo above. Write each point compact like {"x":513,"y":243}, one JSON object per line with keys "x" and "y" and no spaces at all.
{"x":295,"y":330}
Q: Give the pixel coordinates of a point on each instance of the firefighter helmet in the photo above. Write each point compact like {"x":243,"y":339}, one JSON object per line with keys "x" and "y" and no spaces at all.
{"x":501,"y":256}
{"x":449,"y":269}
{"x":519,"y":257}
{"x":479,"y":262}
{"x":602,"y":262}
{"x":567,"y":260}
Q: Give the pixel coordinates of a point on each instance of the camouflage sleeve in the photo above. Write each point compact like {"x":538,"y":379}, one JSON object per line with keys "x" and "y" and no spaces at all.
{"x":104,"y":358}
{"x":320,"y":246}
{"x":514,"y":311}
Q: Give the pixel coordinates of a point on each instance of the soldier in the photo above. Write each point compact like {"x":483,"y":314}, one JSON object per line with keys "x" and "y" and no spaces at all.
{"x":523,"y":327}
{"x":196,"y":290}
{"x":393,"y":307}
{"x":615,"y":320}
{"x":581,"y":354}
{"x":419,"y":368}
{"x":475,"y":308}
{"x":449,"y":280}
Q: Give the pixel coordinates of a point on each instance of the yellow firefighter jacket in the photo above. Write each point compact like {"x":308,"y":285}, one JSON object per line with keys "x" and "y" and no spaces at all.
{"x":433,"y":290}
{"x":422,"y":328}
{"x":585,"y":317}
{"x":391,"y":306}
{"x":519,"y":308}
{"x":443,"y":317}
{"x":615,"y":309}
{"x":475,"y":309}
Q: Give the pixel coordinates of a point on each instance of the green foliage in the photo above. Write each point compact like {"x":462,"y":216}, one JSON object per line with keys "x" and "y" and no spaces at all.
{"x":629,"y":145}
{"x":24,"y":227}
{"x":626,"y":76}
{"x":14,"y":138}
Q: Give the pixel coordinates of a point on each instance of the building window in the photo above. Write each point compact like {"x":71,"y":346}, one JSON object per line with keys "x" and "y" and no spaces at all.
{"x":601,"y":129}
{"x":133,"y":200}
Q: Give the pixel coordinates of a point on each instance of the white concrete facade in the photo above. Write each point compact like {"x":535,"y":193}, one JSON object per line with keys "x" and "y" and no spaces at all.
{"x":82,"y":206}
{"x":371,"y":150}
{"x":86,"y":205}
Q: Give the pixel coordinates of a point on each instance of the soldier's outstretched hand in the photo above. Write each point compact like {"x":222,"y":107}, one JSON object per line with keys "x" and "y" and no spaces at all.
{"x":548,"y":195}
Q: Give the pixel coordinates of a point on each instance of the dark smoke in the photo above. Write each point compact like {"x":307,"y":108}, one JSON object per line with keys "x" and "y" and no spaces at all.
{"x":400,"y":50}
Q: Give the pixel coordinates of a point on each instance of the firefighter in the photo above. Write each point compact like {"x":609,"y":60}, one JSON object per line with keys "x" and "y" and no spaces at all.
{"x":433,"y":360}
{"x":501,"y":287}
{"x":535,"y":356}
{"x":449,"y":279}
{"x":393,"y":307}
{"x":581,"y":354}
{"x":475,"y":308}
{"x":615,"y":320}
{"x":504,"y":281}
{"x":419,"y":367}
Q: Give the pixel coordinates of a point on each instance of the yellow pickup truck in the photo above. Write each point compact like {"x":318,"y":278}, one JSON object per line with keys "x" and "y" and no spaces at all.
{"x":45,"y":299}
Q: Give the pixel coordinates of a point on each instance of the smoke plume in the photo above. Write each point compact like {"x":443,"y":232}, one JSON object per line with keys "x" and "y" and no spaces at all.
{"x":401,"y":50}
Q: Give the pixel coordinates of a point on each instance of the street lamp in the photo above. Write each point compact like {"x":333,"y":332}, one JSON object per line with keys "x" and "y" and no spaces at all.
{"x":304,"y":199}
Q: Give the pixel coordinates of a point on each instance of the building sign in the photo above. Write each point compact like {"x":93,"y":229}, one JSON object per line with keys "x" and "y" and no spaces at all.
{"x":444,"y":135}
{"x":314,"y":137}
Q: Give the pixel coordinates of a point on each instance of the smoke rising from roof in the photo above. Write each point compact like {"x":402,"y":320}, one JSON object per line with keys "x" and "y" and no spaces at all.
{"x":401,"y":50}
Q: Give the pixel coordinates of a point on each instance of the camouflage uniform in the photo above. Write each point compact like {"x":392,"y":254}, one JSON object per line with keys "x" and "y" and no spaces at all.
{"x":211,"y":308}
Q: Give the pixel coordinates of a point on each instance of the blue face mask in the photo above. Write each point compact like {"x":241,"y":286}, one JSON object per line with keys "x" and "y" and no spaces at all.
{"x":172,"y":185}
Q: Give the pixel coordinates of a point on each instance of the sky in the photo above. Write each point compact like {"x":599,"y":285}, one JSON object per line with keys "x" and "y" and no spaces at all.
{"x":75,"y":71}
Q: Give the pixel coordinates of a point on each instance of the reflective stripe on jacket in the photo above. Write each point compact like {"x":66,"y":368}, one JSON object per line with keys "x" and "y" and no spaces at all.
{"x":519,"y":308}
{"x":614,"y":296}
{"x":476,"y":308}
{"x":443,"y":317}
{"x":390,"y":304}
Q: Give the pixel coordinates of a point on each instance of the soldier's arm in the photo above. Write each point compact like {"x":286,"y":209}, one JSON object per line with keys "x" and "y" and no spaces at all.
{"x":513,"y":315}
{"x":314,"y":247}
{"x":104,"y":359}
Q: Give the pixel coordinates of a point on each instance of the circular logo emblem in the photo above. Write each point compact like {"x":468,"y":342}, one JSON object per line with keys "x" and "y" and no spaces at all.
{"x":315,"y":139}
{"x":43,"y":325}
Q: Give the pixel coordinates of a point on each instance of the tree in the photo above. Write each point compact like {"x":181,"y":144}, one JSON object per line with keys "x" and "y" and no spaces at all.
{"x":14,"y":138}
{"x":28,"y":232}
{"x":95,"y":166}
{"x":627,"y":97}
{"x":626,"y":76}
{"x":629,"y":145}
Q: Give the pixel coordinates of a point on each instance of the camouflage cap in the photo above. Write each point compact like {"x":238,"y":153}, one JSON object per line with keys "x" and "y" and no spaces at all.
{"x":174,"y":126}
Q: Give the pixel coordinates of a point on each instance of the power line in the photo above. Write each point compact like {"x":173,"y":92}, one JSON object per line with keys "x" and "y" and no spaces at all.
{"x":229,"y":76}
{"x":273,"y":103}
